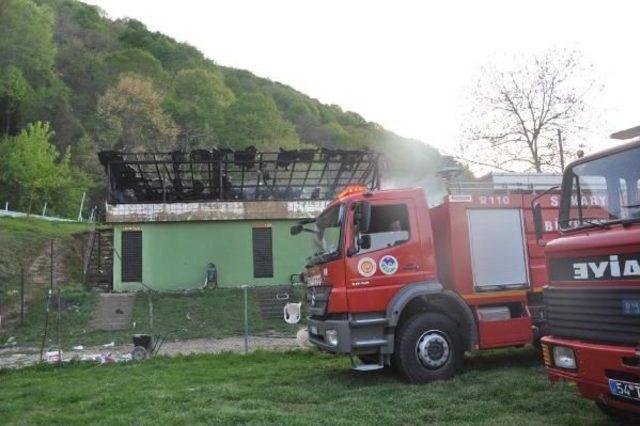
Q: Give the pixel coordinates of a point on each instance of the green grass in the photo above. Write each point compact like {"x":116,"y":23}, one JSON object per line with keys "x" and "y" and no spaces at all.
{"x":212,"y":313}
{"x":21,"y":241}
{"x":503,"y":387}
{"x":39,"y":227}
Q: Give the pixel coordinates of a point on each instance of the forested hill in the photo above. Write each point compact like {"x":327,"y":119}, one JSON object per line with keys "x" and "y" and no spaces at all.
{"x":105,"y":84}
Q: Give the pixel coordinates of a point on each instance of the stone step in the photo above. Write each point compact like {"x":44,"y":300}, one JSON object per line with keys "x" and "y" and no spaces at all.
{"x":112,"y":312}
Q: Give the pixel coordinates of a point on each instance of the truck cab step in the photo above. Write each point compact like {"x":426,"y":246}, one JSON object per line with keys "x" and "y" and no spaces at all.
{"x":367,"y":367}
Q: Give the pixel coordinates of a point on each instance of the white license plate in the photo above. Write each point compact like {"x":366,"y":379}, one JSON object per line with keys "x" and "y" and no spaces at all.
{"x":314,"y":329}
{"x":624,"y":389}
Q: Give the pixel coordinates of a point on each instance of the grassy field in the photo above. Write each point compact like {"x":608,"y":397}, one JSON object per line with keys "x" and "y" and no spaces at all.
{"x":299,"y":387}
{"x":212,"y":313}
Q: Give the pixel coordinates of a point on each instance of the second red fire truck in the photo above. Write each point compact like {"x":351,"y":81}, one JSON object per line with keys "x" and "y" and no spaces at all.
{"x":392,"y":281}
{"x":593,"y":298}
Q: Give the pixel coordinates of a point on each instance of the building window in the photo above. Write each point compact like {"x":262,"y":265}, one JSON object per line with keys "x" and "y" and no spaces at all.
{"x":262,"y":253}
{"x":131,"y":256}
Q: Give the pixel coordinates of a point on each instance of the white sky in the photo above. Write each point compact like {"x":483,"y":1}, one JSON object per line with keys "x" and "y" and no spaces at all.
{"x":403,"y":64}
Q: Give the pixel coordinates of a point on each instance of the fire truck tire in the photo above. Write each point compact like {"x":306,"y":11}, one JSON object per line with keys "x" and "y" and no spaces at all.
{"x":624,"y":417}
{"x":428,"y":347}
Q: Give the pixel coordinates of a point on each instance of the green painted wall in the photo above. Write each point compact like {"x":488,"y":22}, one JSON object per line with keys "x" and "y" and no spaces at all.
{"x":175,"y":254}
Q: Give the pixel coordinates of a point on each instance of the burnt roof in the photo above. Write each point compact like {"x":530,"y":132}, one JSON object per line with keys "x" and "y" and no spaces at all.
{"x":218,"y":175}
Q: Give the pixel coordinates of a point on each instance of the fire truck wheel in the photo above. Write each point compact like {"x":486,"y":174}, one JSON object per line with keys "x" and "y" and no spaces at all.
{"x":624,"y":417}
{"x":428,"y":347}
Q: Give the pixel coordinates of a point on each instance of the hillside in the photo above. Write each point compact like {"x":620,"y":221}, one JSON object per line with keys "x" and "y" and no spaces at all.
{"x":112,"y":84}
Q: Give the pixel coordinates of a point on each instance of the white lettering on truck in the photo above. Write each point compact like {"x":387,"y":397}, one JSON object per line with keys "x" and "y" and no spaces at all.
{"x":583,"y":270}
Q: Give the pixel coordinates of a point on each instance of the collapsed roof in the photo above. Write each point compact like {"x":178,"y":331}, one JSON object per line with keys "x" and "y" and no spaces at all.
{"x":218,"y":175}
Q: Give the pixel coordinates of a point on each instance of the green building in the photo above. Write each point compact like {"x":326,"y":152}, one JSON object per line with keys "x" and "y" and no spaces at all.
{"x":248,"y":242}
{"x":181,"y":220}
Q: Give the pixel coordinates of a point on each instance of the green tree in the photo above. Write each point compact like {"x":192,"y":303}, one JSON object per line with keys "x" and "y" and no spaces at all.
{"x":32,"y":172}
{"x":26,"y":39}
{"x":133,"y":118}
{"x":134,"y":61}
{"x":197,"y":104}
{"x":254,"y":119}
{"x":174,"y":56}
{"x":15,"y":92}
{"x":83,"y":38}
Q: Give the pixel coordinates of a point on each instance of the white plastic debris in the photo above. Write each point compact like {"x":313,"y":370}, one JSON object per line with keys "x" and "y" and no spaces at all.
{"x":78,"y":348}
{"x":291,"y":313}
{"x":53,"y":356}
{"x":109,"y":345}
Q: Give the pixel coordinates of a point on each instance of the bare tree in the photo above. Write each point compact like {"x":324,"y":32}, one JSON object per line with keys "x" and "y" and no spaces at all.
{"x":519,"y":110}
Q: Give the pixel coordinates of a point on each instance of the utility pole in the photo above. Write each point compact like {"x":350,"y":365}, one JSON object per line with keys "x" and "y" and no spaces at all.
{"x":561,"y":149}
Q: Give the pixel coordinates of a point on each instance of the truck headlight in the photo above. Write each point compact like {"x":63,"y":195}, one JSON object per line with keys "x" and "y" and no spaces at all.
{"x":564,"y":357}
{"x":332,"y":337}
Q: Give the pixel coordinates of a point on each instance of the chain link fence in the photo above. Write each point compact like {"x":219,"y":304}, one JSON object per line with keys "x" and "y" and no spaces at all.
{"x":47,"y":312}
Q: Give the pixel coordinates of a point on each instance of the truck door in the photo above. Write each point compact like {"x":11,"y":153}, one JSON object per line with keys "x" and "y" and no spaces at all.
{"x":374,"y":274}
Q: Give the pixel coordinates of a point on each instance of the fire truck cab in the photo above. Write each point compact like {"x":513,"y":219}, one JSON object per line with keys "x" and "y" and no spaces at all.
{"x":593,"y":297}
{"x":392,"y":281}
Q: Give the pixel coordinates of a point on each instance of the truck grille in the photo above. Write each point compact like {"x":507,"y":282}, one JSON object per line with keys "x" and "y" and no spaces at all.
{"x":317,"y":299}
{"x":592,"y":314}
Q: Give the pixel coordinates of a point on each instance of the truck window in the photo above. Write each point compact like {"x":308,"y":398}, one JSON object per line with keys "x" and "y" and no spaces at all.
{"x":601,"y":190}
{"x":389,"y":226}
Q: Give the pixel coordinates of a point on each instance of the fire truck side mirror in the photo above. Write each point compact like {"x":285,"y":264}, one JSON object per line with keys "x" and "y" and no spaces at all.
{"x":537,"y":221}
{"x":362,"y":217}
{"x":364,"y":242}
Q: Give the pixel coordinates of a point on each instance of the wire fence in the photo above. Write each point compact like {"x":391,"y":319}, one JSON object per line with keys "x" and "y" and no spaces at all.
{"x":48,"y":314}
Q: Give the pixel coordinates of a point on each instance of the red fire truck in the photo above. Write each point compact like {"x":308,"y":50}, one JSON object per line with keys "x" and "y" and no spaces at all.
{"x":392,"y":281}
{"x":593,"y":297}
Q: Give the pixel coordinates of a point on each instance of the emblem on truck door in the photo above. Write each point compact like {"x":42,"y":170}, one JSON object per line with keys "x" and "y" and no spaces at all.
{"x":389,"y":265}
{"x":367,"y":267}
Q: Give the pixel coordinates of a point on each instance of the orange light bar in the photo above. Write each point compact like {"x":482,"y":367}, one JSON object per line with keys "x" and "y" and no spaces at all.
{"x":351,"y":189}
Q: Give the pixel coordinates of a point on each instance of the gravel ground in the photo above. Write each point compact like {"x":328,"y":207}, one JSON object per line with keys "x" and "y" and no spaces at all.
{"x":19,"y":357}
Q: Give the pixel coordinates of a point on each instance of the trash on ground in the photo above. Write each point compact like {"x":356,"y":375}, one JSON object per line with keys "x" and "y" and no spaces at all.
{"x":53,"y":356}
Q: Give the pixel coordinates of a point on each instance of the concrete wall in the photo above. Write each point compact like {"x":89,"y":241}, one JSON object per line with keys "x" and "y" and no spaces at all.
{"x":175,"y":254}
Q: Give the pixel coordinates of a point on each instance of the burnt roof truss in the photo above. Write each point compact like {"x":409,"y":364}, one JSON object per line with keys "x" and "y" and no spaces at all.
{"x":218,"y":175}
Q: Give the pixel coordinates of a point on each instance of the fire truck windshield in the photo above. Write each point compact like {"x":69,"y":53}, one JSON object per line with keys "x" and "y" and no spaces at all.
{"x":602,"y":191}
{"x":326,"y":238}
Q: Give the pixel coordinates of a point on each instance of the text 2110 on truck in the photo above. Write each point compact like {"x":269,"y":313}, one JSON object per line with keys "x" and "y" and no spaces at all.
{"x":593,"y":298}
{"x":392,"y":281}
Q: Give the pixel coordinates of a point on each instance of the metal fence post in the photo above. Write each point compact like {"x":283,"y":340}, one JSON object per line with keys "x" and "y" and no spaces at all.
{"x":58,"y":329}
{"x":245,"y":288}
{"x":51,"y":267}
{"x":22,"y":294}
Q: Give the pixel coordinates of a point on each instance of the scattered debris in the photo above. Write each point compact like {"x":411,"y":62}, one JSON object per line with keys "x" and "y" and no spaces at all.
{"x":109,"y":345}
{"x":53,"y":356}
{"x":22,"y":356}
